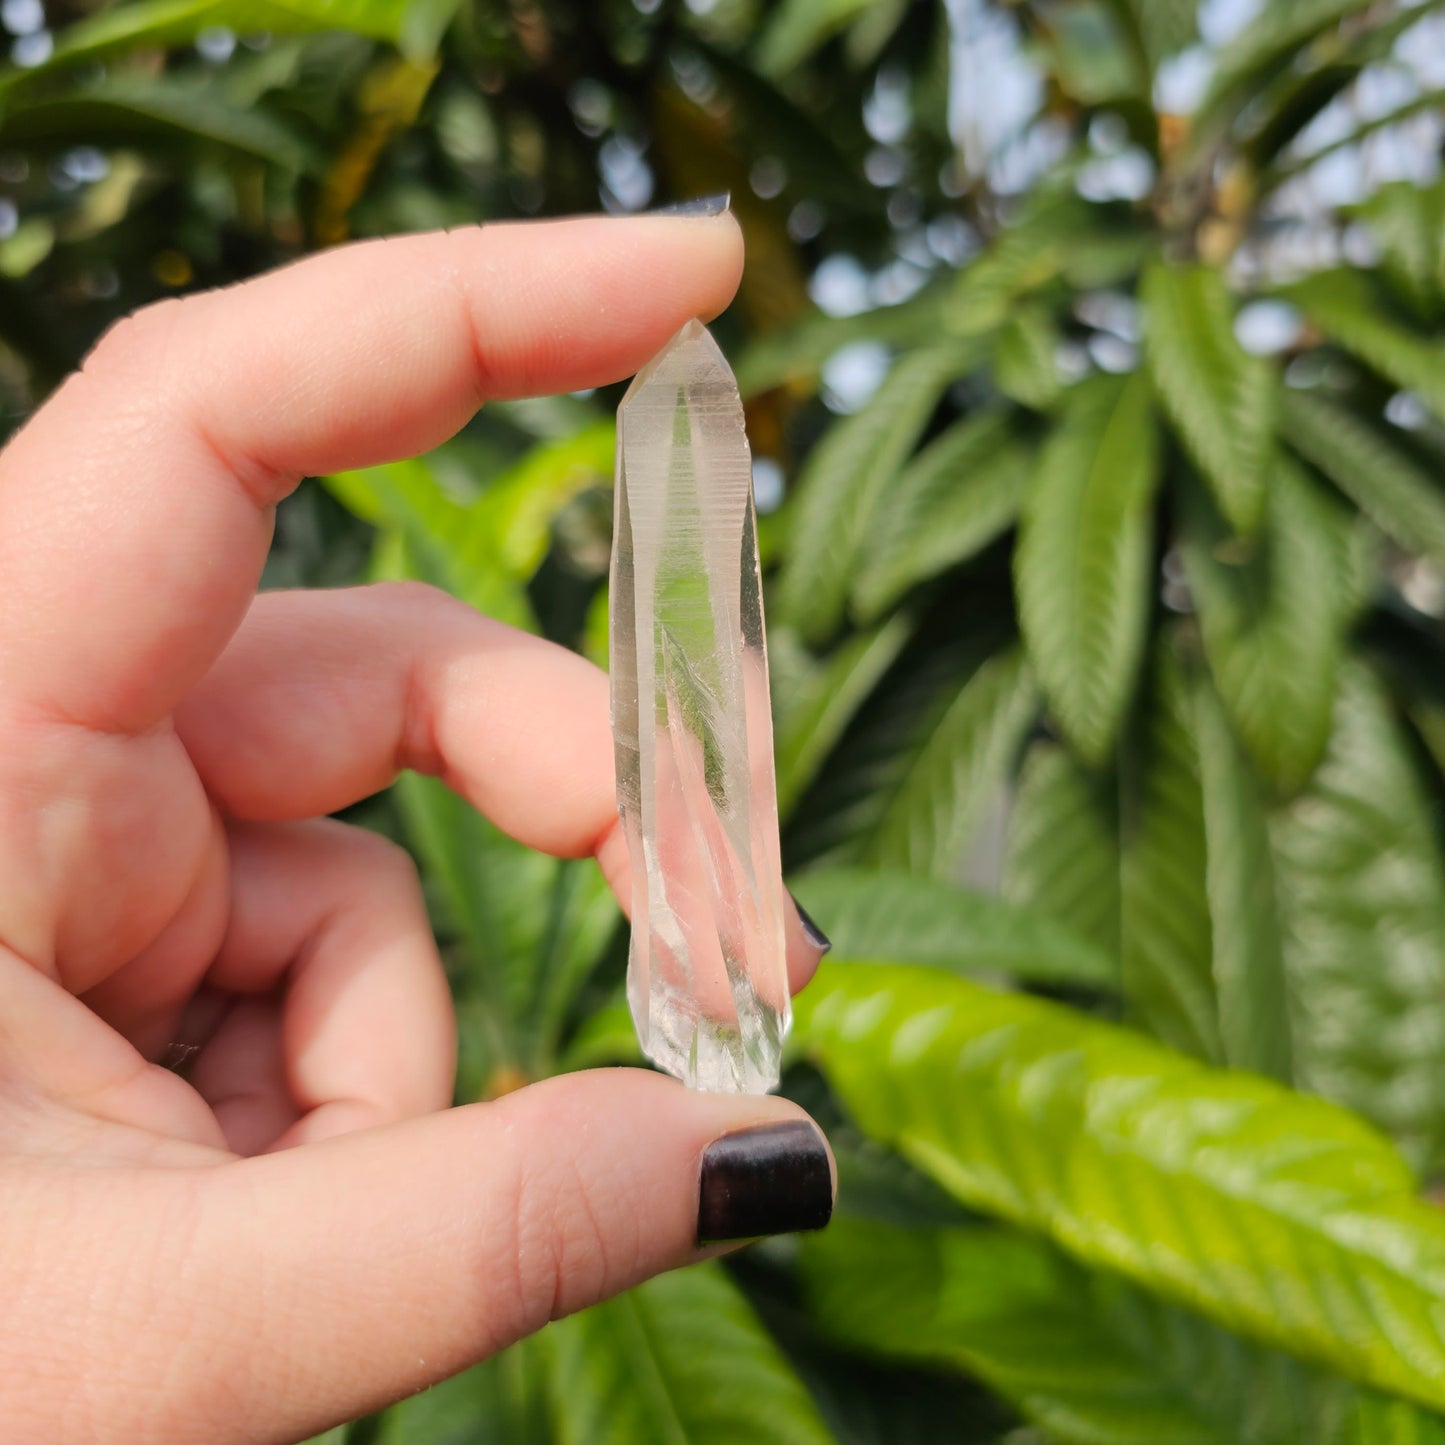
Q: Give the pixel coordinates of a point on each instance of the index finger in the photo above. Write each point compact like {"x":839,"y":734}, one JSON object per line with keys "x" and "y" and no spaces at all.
{"x":135,"y":508}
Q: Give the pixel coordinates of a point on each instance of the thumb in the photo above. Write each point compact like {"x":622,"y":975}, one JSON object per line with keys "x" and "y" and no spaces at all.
{"x":329,"y":1280}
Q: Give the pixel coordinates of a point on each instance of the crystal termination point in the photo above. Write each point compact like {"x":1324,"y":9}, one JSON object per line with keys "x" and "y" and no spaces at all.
{"x":707,"y":974}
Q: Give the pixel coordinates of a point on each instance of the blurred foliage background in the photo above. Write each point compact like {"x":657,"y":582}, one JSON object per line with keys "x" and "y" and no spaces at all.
{"x":1093,"y":356}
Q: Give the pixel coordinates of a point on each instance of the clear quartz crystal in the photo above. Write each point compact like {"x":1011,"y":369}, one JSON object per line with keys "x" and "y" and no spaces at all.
{"x":707,"y":979}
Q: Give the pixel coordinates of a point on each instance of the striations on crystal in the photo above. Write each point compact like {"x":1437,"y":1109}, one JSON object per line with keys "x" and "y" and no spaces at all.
{"x":707,"y":976}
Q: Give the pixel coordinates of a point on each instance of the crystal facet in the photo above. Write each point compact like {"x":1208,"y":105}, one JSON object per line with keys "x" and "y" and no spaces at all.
{"x":707,"y":979}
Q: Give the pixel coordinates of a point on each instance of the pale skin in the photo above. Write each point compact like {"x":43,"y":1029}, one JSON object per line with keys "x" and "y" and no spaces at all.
{"x":299,"y":1230}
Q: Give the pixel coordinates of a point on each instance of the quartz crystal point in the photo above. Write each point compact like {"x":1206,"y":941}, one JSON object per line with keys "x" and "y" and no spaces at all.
{"x":707,"y":978}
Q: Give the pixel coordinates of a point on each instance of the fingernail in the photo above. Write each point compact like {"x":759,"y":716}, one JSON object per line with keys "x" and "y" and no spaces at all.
{"x":700,"y":206}
{"x":816,"y":936}
{"x":773,"y":1179}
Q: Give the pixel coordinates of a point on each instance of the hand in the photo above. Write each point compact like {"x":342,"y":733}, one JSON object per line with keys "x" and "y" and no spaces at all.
{"x":171,"y":1269}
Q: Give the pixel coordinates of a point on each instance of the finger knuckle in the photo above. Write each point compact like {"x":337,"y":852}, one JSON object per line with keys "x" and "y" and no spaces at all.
{"x":562,"y":1255}
{"x":406,"y":594}
{"x":145,"y":332}
{"x":386,"y":863}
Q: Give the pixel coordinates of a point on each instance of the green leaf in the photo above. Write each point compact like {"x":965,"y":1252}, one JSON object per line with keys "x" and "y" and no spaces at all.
{"x":929,"y":820}
{"x":1408,"y":224}
{"x":25,"y":248}
{"x":682,"y":1360}
{"x":1288,"y":167}
{"x":1220,"y":399}
{"x":1024,"y":365}
{"x":796,"y":28}
{"x":769,"y":123}
{"x":1249,"y":973}
{"x":1377,"y":1420}
{"x":1007,"y":1309}
{"x":882,"y":914}
{"x":1093,"y":1360}
{"x":1057,"y":235}
{"x":1270,"y":43}
{"x":1395,"y":491}
{"x":1362,"y":878}
{"x":407,"y":496}
{"x":510,"y":524}
{"x":407,"y":500}
{"x":159,"y":24}
{"x":498,"y":1402}
{"x":1272,"y":614}
{"x":1316,"y":76}
{"x":1275,"y":1214}
{"x":581,"y":918}
{"x":605,"y":1038}
{"x":482,"y":548}
{"x":158,"y":109}
{"x":846,"y":476}
{"x":1202,"y":962}
{"x":492,"y":891}
{"x":872,"y":30}
{"x":1428,"y":718}
{"x":1162,"y":27}
{"x":596,"y":629}
{"x":875,"y":1182}
{"x":1346,"y":306}
{"x":423,"y":25}
{"x":1084,"y":557}
{"x":848,"y":798}
{"x":1291,"y":104}
{"x":533,"y":929}
{"x":961,"y":492}
{"x":1167,"y":958}
{"x":795,"y":358}
{"x":813,"y":713}
{"x":1062,"y":860}
{"x":871,"y":1402}
{"x":1090,"y":61}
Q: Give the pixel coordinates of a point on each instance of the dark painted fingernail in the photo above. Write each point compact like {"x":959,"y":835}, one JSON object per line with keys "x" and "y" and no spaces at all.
{"x":700,"y":206}
{"x":816,"y":936}
{"x":770,"y":1180}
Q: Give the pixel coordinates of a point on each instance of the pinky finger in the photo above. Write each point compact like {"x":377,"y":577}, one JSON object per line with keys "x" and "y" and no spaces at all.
{"x":332,"y":916}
